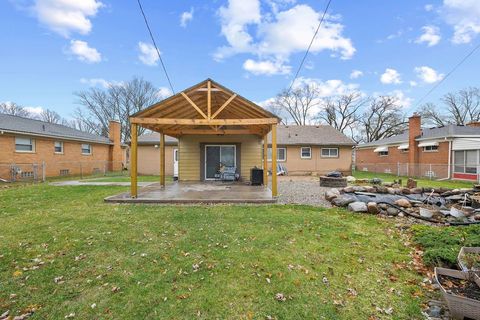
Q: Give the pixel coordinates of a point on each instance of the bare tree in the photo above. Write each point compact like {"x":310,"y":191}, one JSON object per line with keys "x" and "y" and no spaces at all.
{"x":118,"y":102}
{"x":342,"y":112}
{"x":51,"y":116}
{"x":382,"y":119}
{"x":14,"y":109}
{"x":462,"y":107}
{"x":298,"y":103}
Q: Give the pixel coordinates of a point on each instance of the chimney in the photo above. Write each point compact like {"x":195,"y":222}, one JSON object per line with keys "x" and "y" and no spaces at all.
{"x":475,"y":124}
{"x":414,"y":130}
{"x":116,"y":154}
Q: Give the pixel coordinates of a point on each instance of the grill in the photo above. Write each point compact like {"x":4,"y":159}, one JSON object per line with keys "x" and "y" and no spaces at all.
{"x":256,"y":177}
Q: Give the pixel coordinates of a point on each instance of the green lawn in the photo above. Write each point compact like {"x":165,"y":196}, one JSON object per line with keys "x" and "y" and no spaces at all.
{"x":63,"y":251}
{"x":421,"y":182}
{"x":127,"y":179}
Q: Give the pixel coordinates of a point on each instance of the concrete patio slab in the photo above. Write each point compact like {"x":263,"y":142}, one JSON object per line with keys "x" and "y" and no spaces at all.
{"x":193,"y":192}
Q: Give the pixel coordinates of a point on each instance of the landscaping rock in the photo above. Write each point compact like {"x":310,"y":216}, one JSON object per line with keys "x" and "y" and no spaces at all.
{"x":348,"y":189}
{"x":351,"y":179}
{"x":357,"y":206}
{"x":383,"y":206}
{"x":343,"y":200}
{"x":404,"y":203}
{"x":391,"y":190}
{"x":392,"y":211}
{"x":411,"y":183}
{"x":372,"y":208}
{"x":358,"y":189}
{"x":331,"y":194}
{"x":434,"y":311}
{"x":370,"y":189}
{"x":405,"y":191}
{"x":416,"y":190}
{"x":381,"y":189}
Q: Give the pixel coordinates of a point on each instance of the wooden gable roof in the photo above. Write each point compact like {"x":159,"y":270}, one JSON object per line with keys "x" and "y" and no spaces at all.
{"x":206,"y":108}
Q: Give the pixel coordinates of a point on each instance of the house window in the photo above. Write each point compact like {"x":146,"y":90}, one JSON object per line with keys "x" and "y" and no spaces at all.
{"x":329,"y":152}
{"x":24,"y":145}
{"x":383,"y":153}
{"x":86,"y":148}
{"x":306,"y":153}
{"x":281,"y":154}
{"x":404,"y":151}
{"x":466,"y":161}
{"x":58,"y":147}
{"x":430,"y":148}
{"x":64,"y":172}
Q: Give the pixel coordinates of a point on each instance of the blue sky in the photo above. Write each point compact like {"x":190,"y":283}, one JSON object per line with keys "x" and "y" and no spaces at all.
{"x":52,"y":48}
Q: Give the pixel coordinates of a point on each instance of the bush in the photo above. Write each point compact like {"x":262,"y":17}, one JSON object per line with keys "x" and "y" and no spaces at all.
{"x":442,"y":244}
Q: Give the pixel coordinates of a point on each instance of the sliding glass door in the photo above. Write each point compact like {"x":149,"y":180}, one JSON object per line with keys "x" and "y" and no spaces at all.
{"x":217,"y":156}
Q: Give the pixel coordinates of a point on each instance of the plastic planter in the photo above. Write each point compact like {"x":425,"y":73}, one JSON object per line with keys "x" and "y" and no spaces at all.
{"x":461,"y":259}
{"x":460,"y":307}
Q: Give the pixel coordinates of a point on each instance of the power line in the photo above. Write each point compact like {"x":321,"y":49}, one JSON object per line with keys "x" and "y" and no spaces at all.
{"x":310,"y":45}
{"x":155,"y":45}
{"x":448,"y":74}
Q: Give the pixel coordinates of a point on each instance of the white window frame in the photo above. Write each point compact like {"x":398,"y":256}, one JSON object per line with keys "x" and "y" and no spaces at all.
{"x":269,"y":154}
{"x":309,"y":153}
{"x":55,"y":147}
{"x":89,"y":148}
{"x":32,"y":144}
{"x":465,"y":165}
{"x":383,"y":154}
{"x":430,"y":147}
{"x":329,"y":153}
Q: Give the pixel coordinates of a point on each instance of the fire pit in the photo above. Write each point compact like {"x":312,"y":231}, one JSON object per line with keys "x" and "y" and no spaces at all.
{"x":333,"y":180}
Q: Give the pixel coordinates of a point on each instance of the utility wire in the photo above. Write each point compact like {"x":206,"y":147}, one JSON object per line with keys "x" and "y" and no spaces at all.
{"x":155,"y":45}
{"x":310,"y":45}
{"x":448,"y":74}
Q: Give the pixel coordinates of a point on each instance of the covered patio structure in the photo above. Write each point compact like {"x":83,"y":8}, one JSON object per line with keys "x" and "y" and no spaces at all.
{"x":214,"y":127}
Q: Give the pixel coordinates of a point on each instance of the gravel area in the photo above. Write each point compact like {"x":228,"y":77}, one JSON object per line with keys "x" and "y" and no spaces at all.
{"x":301,"y":190}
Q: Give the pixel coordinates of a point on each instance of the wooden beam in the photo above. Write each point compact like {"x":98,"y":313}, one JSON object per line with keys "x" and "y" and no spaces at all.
{"x":204,"y":122}
{"x":274,"y":160}
{"x":265,"y":160}
{"x":224,"y":106}
{"x":209,"y":98}
{"x":133,"y":161}
{"x":194,"y":105}
{"x":212,"y":132}
{"x":162,"y":160}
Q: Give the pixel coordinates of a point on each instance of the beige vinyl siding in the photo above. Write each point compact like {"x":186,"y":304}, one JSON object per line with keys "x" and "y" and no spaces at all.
{"x":189,"y":154}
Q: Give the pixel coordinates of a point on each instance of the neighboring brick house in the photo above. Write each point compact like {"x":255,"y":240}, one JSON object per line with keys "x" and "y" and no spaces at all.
{"x":443,"y":152}
{"x":32,"y":147}
{"x":300,"y":149}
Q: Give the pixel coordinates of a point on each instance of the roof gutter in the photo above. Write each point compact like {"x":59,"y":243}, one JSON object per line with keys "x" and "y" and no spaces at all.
{"x":2,"y":131}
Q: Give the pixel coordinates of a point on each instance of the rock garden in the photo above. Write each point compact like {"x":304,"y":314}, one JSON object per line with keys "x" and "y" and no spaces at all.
{"x":431,"y":205}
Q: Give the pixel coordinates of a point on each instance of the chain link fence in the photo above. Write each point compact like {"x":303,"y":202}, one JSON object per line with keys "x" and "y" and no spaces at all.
{"x":24,"y":172}
{"x":425,"y":171}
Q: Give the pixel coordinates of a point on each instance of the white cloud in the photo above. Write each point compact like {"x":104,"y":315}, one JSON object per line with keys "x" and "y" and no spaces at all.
{"x":186,"y":17}
{"x":428,"y":75}
{"x":402,"y":100}
{"x":428,"y":7}
{"x":430,"y":35}
{"x":464,"y":16}
{"x":84,"y":52}
{"x":413,"y":83}
{"x":66,"y":16}
{"x":390,"y":76}
{"x":278,"y":34}
{"x":148,"y":54}
{"x":94,"y":82}
{"x":34,"y":110}
{"x":163,"y":93}
{"x":356,"y":74}
{"x":266,"y":67}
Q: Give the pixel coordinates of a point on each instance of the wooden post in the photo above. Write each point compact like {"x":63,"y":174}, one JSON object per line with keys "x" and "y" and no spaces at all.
{"x":265,"y":160}
{"x":162,"y":160}
{"x":209,"y":99}
{"x":274,"y":160}
{"x":133,"y":161}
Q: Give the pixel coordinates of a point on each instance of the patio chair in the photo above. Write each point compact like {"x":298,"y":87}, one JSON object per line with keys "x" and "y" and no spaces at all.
{"x":229,"y":174}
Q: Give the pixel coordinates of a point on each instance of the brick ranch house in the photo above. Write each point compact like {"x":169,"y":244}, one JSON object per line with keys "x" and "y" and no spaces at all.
{"x":301,"y":149}
{"x":32,"y":148}
{"x":450,"y":152}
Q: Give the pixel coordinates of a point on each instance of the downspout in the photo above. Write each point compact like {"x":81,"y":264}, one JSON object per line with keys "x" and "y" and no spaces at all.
{"x":449,"y":169}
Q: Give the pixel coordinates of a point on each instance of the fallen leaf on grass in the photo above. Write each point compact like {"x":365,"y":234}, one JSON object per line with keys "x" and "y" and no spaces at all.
{"x":280,"y":297}
{"x":115,"y":289}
